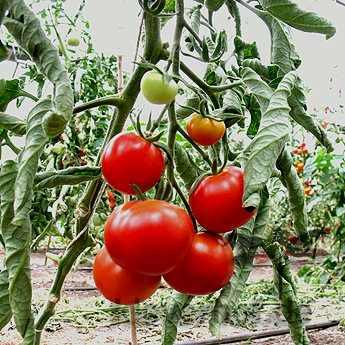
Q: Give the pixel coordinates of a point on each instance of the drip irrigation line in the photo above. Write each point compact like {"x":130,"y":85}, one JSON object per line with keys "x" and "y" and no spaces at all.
{"x":258,"y":335}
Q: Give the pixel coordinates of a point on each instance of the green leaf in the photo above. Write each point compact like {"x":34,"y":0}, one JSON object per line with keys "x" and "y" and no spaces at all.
{"x":221,"y":48}
{"x":283,"y":52}
{"x":284,"y":283}
{"x":10,"y":90}
{"x":214,"y":5}
{"x":249,"y":238}
{"x":258,"y":87}
{"x":291,"y":181}
{"x":297,"y":102}
{"x":17,"y":248}
{"x":268,"y":143}
{"x":184,"y":167}
{"x":177,"y":302}
{"x":289,"y":12}
{"x":13,"y":124}
{"x":69,"y":176}
{"x":4,"y":6}
{"x":35,"y":141}
{"x":266,"y":73}
{"x":5,"y":307}
{"x":26,"y":29}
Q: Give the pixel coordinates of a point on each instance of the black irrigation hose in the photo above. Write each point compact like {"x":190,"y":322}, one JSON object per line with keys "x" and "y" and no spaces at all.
{"x":257,"y":335}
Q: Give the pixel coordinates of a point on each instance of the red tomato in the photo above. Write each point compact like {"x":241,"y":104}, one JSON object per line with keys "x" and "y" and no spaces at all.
{"x":327,"y":229}
{"x":149,"y":237}
{"x":204,"y":131}
{"x":293,"y":239}
{"x":217,"y":201}
{"x":119,"y":285}
{"x":128,"y":158}
{"x":207,"y":267}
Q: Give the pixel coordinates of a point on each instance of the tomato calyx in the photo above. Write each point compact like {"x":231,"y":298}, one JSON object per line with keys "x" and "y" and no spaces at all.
{"x":154,"y":140}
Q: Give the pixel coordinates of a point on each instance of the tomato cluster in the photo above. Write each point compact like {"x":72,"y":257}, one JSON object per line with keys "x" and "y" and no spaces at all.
{"x":149,"y":239}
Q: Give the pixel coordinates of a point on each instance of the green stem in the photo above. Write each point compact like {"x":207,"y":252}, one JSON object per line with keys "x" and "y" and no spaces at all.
{"x":93,"y":192}
{"x":9,"y":143}
{"x":203,"y":86}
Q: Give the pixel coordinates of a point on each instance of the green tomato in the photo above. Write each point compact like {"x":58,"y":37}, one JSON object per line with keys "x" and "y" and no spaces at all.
{"x":73,"y":41}
{"x":155,"y":90}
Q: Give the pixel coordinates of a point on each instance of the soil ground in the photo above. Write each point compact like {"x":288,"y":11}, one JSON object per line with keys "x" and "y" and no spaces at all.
{"x":79,"y":293}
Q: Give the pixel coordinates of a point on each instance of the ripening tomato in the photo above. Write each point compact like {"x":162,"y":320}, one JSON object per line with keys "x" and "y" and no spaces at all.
{"x":217,"y":201}
{"x":155,"y":90}
{"x":149,"y":237}
{"x":203,"y":130}
{"x":128,"y":158}
{"x":119,"y":285}
{"x":207,"y":267}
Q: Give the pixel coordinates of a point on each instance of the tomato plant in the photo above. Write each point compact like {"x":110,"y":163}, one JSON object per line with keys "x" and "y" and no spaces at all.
{"x":203,"y":130}
{"x":216,"y":202}
{"x":119,"y":285}
{"x":148,"y":237}
{"x":155,"y":89}
{"x":54,"y":183}
{"x":127,"y":159}
{"x":207,"y":267}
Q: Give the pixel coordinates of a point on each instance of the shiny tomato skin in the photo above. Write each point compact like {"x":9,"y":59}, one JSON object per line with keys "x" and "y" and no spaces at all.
{"x":148,"y":237}
{"x":155,"y":90}
{"x":119,"y":285}
{"x":207,"y":267}
{"x":128,"y":158}
{"x":217,"y":201}
{"x":203,"y":130}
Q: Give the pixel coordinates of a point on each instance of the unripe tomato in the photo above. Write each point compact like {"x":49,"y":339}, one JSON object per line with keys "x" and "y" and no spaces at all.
{"x":207,"y":267}
{"x":204,"y":131}
{"x":149,"y":237}
{"x":119,"y":285}
{"x":217,"y":201}
{"x":73,"y":41}
{"x":128,"y":158}
{"x":155,"y":90}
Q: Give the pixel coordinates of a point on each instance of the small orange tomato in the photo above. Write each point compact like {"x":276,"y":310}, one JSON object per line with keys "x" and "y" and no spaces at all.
{"x":203,"y":130}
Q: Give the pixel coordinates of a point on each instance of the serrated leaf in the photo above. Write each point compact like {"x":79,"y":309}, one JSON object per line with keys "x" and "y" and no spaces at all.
{"x":287,"y":291}
{"x":267,"y":73}
{"x":258,"y":87}
{"x":184,"y":167}
{"x":4,"y":6}
{"x":10,"y":90}
{"x":221,"y":48}
{"x":35,"y":141}
{"x":5,"y":307}
{"x":289,"y":12}
{"x":26,"y":29}
{"x":283,"y":51}
{"x":17,"y":248}
{"x":13,"y":124}
{"x":297,"y":102}
{"x":266,"y":147}
{"x":249,"y":238}
{"x":297,"y":205}
{"x":177,"y":302}
{"x":69,"y":176}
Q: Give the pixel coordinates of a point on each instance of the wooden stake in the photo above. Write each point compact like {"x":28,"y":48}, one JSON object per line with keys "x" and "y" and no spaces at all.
{"x":133,"y":324}
{"x":120,"y":73}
